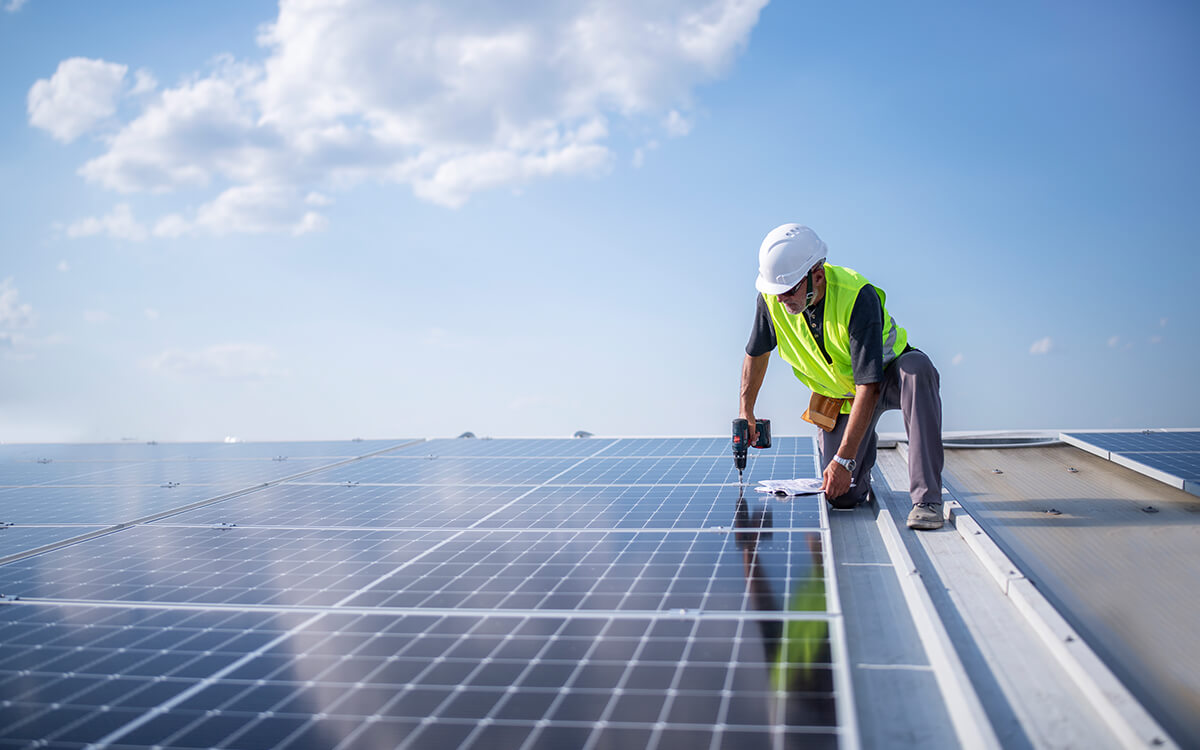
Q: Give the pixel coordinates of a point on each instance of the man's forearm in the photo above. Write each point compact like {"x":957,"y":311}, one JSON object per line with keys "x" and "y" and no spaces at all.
{"x":865,"y":398}
{"x":754,"y":369}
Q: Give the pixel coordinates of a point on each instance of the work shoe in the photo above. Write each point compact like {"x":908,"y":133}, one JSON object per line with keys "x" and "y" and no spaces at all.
{"x":925,"y":516}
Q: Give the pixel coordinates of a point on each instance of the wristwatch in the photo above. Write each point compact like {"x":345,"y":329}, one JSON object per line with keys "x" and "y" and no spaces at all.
{"x":847,"y":462}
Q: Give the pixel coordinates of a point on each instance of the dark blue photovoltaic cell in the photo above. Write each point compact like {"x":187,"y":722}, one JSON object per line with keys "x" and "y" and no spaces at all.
{"x":357,"y":505}
{"x":98,"y":505}
{"x":89,"y":452}
{"x":333,"y":450}
{"x":15,"y":539}
{"x":687,"y":470}
{"x":243,"y":473}
{"x":26,"y":473}
{"x":713,"y":447}
{"x":609,"y":447}
{"x":606,"y":593}
{"x":1175,"y":453}
{"x":1123,"y":442}
{"x":654,"y":506}
{"x":511,"y":447}
{"x":447,"y":470}
{"x":747,"y":571}
{"x":75,"y":674}
{"x":230,"y":566}
{"x":261,"y":680}
{"x":1182,"y":465}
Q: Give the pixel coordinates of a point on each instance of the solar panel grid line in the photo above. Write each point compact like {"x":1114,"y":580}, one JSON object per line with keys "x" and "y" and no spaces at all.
{"x":843,"y":686}
{"x":579,"y":666}
{"x":596,"y":614}
{"x":166,"y":706}
{"x":170,"y":703}
{"x":168,"y":513}
{"x":660,"y":544}
{"x":518,"y":498}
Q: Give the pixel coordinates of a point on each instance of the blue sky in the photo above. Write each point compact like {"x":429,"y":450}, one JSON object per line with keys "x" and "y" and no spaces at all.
{"x":388,"y":219}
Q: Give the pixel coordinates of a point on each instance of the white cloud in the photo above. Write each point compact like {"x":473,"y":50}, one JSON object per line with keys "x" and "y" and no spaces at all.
{"x":957,"y":360}
{"x":1156,"y":339}
{"x":14,"y":5}
{"x":1113,"y":341}
{"x":247,"y":209}
{"x":188,"y":135}
{"x":63,"y":266}
{"x":15,"y":318}
{"x":1163,"y":322}
{"x":151,"y":313}
{"x":677,"y":125}
{"x":449,"y":99}
{"x":143,"y":83}
{"x":96,"y":317}
{"x":81,"y":94}
{"x":118,"y":224}
{"x":1042,"y":346}
{"x":220,"y":362}
{"x":14,"y":314}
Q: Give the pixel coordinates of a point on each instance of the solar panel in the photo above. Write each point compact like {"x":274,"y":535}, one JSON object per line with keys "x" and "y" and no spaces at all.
{"x":1169,"y":456}
{"x":476,"y":593}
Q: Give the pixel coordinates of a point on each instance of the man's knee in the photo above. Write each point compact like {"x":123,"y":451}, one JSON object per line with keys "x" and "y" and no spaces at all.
{"x":918,"y":367}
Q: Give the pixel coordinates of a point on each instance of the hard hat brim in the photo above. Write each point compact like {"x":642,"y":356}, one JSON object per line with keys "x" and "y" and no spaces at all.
{"x":771,"y":287}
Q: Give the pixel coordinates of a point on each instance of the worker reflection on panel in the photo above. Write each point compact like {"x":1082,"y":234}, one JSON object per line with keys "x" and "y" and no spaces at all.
{"x":797,"y":650}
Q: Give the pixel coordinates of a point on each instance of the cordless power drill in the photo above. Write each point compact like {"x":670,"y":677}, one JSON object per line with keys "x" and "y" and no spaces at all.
{"x":741,"y":440}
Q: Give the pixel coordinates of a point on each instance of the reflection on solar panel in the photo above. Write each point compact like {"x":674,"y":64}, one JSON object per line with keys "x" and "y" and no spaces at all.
{"x":476,"y":593}
{"x":1170,"y":456}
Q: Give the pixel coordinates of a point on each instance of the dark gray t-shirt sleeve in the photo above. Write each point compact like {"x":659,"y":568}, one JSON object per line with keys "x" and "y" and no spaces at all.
{"x":762,"y":336}
{"x":866,"y":337}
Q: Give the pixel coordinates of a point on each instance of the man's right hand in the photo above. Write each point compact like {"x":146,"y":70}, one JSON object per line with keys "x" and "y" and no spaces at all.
{"x":753,"y":426}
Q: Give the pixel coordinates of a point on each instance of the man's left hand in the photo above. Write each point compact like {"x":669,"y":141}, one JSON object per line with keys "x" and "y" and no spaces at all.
{"x":836,"y":480}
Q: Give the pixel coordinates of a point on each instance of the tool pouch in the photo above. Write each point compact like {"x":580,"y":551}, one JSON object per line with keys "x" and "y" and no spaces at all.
{"x":823,"y":411}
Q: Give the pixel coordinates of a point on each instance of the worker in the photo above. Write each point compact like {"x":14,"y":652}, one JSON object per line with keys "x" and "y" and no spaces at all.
{"x":833,"y":327}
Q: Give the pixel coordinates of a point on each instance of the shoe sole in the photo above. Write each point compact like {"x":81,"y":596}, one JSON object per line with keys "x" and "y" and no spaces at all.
{"x":926,"y":525}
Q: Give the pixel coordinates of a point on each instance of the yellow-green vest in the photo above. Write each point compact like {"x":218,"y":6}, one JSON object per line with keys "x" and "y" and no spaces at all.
{"x":799,"y":349}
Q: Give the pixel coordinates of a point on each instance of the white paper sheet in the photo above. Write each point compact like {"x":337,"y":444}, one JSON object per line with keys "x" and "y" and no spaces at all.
{"x":790,"y":486}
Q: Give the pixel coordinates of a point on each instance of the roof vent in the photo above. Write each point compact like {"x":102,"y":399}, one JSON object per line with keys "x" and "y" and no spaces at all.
{"x":467,"y":434}
{"x":582,"y":434}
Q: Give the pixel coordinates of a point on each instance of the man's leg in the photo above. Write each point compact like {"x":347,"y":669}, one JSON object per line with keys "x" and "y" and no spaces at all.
{"x":921,"y":405}
{"x":911,"y":384}
{"x":864,"y":460}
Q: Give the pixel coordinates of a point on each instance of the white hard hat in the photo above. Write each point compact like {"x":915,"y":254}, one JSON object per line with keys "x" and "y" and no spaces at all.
{"x":786,"y":256}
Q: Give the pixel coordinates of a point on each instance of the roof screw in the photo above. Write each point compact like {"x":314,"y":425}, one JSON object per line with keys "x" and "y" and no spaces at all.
{"x":1149,"y":509}
{"x":44,"y":460}
{"x":1053,"y":512}
{"x":997,"y":471}
{"x":1072,"y":469}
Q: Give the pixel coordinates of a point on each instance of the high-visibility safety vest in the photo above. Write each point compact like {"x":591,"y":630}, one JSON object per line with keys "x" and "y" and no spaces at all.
{"x":799,"y":349}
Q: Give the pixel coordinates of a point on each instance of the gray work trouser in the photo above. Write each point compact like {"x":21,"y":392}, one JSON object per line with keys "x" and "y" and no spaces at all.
{"x":910,"y":384}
